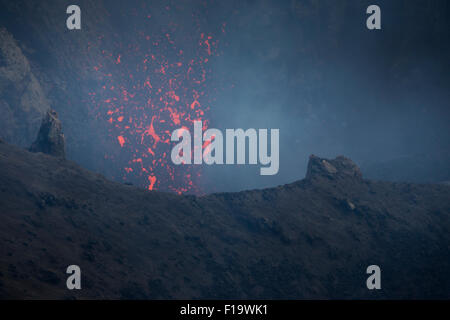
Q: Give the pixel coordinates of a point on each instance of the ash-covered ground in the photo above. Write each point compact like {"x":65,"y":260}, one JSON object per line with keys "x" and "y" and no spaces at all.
{"x":313,"y":238}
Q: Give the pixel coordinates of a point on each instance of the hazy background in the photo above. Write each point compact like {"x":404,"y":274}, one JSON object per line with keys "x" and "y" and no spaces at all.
{"x":310,"y":68}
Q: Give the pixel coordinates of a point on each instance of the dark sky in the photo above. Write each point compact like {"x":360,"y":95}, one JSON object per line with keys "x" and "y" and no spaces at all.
{"x":312,"y":69}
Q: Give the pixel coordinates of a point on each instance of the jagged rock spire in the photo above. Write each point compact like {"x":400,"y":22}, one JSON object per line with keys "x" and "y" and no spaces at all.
{"x":50,"y":139}
{"x":339,"y":167}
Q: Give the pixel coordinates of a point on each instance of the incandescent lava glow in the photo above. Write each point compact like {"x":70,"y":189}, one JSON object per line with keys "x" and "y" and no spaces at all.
{"x":148,"y":86}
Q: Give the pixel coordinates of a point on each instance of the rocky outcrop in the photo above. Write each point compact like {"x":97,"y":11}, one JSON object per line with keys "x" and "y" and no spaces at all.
{"x":22,"y":100}
{"x":50,"y":139}
{"x":338,"y":167}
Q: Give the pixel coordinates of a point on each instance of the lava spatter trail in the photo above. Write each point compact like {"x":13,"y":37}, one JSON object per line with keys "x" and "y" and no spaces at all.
{"x":148,"y":86}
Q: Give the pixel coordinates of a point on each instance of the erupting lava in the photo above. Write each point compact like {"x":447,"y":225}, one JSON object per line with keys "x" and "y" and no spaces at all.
{"x":148,"y":89}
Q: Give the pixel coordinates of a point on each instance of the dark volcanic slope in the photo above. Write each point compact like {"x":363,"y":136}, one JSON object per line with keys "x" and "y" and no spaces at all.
{"x":310,"y":239}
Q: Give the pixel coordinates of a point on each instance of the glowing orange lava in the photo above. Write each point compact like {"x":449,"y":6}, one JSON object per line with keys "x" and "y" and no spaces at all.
{"x":148,"y":88}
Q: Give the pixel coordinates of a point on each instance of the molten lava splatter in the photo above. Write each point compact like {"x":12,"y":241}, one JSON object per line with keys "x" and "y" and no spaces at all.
{"x":150,"y":86}
{"x":121,"y":140}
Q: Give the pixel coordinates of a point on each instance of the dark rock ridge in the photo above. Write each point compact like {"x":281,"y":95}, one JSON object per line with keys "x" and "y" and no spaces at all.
{"x":22,"y":99}
{"x":50,"y":139}
{"x":313,"y":238}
